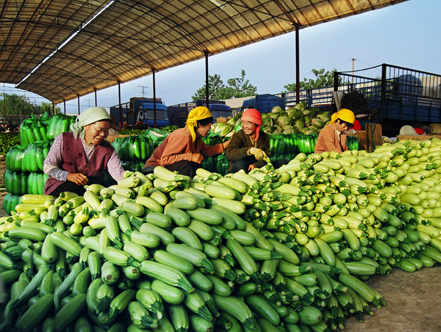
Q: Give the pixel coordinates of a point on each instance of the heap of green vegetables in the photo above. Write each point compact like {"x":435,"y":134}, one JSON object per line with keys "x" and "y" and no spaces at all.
{"x":299,"y":119}
{"x":272,"y":250}
{"x":7,"y":141}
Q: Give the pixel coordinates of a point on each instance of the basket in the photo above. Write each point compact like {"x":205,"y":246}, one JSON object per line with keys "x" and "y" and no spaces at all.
{"x":436,"y":128}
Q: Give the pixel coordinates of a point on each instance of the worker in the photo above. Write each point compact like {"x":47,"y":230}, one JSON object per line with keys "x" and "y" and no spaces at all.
{"x":183,"y":150}
{"x":332,"y":136}
{"x":82,"y":156}
{"x":249,"y":145}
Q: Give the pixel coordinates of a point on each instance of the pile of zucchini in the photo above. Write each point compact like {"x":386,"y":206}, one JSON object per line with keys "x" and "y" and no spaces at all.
{"x":286,"y":249}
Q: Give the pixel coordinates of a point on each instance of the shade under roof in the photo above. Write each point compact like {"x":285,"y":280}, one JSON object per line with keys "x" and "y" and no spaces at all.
{"x":131,"y":38}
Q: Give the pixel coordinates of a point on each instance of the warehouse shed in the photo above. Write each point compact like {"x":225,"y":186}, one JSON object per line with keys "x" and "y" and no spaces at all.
{"x":64,"y":49}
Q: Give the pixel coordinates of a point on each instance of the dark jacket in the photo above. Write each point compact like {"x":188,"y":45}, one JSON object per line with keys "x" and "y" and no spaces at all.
{"x":240,"y":144}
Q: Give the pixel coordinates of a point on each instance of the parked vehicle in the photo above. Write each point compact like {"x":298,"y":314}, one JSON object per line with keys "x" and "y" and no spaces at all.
{"x":141,"y":109}
{"x":218,"y":109}
{"x":401,"y":96}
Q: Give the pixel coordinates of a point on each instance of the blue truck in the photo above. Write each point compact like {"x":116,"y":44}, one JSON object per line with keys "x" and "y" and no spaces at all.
{"x":142,"y":109}
{"x":401,"y":96}
{"x":218,"y":109}
{"x":264,"y":103}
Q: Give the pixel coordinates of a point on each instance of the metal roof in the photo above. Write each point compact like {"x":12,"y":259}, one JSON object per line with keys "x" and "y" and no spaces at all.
{"x":128,"y":39}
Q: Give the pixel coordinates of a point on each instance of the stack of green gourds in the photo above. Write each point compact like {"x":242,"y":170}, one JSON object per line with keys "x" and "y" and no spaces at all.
{"x":24,"y":162}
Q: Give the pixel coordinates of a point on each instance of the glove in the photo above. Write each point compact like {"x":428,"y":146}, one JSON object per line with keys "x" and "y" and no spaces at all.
{"x":257,"y":153}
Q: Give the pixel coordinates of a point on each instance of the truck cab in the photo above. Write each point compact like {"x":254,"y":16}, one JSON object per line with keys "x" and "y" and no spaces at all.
{"x":145,"y":113}
{"x":263,"y":103}
{"x":218,"y":108}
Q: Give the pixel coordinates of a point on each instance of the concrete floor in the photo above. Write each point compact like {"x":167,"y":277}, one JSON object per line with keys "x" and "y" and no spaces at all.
{"x":413,"y":303}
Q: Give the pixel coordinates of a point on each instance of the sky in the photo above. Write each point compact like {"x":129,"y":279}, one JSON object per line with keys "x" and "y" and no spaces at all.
{"x":406,"y":34}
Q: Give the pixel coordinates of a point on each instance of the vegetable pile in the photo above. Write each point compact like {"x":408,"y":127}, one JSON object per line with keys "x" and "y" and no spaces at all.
{"x":8,"y":140}
{"x":299,"y":119}
{"x":285,"y":249}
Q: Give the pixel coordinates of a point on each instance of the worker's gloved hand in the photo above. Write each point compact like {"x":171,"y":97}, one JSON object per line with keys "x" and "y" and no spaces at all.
{"x":257,"y":153}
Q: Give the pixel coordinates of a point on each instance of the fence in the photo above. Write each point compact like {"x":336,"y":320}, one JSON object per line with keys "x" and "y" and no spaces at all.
{"x":399,"y":94}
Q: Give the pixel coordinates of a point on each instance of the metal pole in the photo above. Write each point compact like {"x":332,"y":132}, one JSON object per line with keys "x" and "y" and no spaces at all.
{"x":64,"y":102}
{"x":96,"y":97}
{"x":297,"y":25}
{"x":154,"y":96}
{"x":383,"y":89}
{"x":4,"y":109}
{"x":120,"y":107}
{"x":353,"y":68}
{"x":207,"y":89}
{"x":78,"y":103}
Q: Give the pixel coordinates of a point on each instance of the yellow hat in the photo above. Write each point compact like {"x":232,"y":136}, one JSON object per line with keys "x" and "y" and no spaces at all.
{"x":345,"y":115}
{"x":196,"y":114}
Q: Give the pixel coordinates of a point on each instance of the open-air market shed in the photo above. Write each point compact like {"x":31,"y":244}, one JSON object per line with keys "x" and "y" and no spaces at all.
{"x":65,"y":49}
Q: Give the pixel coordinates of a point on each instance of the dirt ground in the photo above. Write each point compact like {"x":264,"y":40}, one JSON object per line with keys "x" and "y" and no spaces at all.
{"x":413,"y":299}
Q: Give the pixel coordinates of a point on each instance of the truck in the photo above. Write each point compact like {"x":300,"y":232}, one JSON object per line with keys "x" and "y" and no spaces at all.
{"x":142,"y":109}
{"x":264,"y":103}
{"x":401,"y":96}
{"x":218,"y":109}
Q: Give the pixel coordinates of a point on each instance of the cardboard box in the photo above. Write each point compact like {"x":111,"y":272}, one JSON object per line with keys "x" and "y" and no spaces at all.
{"x":436,"y":128}
{"x":110,"y":139}
{"x":417,"y":138}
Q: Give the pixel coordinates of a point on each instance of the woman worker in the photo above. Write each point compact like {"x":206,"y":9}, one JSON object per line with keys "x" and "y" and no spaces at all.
{"x":249,"y":145}
{"x":183,"y":150}
{"x":82,"y":156}
{"x":331,"y":137}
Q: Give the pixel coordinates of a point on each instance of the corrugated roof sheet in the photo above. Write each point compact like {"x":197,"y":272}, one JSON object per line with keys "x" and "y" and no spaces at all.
{"x":131,"y":38}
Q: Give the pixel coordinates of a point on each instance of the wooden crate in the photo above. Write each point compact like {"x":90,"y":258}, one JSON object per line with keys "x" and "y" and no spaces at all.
{"x":374,"y":136}
{"x":361,"y":135}
{"x":370,"y":138}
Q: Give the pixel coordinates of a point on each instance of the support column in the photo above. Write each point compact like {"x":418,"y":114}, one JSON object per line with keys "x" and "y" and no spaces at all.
{"x":78,"y":103}
{"x":64,"y":102}
{"x":96,"y":97}
{"x":207,"y":89}
{"x":154,"y":96}
{"x":297,"y":25}
{"x":120,"y":108}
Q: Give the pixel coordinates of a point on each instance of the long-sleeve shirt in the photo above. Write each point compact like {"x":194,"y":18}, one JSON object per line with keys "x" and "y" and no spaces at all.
{"x":55,"y":157}
{"x":240,"y":144}
{"x":329,"y":140}
{"x":178,"y":146}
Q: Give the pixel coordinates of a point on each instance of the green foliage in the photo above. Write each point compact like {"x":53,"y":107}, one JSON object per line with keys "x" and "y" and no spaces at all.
{"x":131,"y":131}
{"x":21,"y":105}
{"x":322,"y":79}
{"x":235,"y":88}
{"x":7,"y":141}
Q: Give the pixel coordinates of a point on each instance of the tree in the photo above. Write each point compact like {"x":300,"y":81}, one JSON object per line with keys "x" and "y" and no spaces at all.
{"x":236,"y":88}
{"x":323,"y":79}
{"x":20,"y":105}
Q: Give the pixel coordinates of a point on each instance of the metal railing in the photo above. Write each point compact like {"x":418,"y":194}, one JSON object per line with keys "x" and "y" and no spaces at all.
{"x":399,"y":94}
